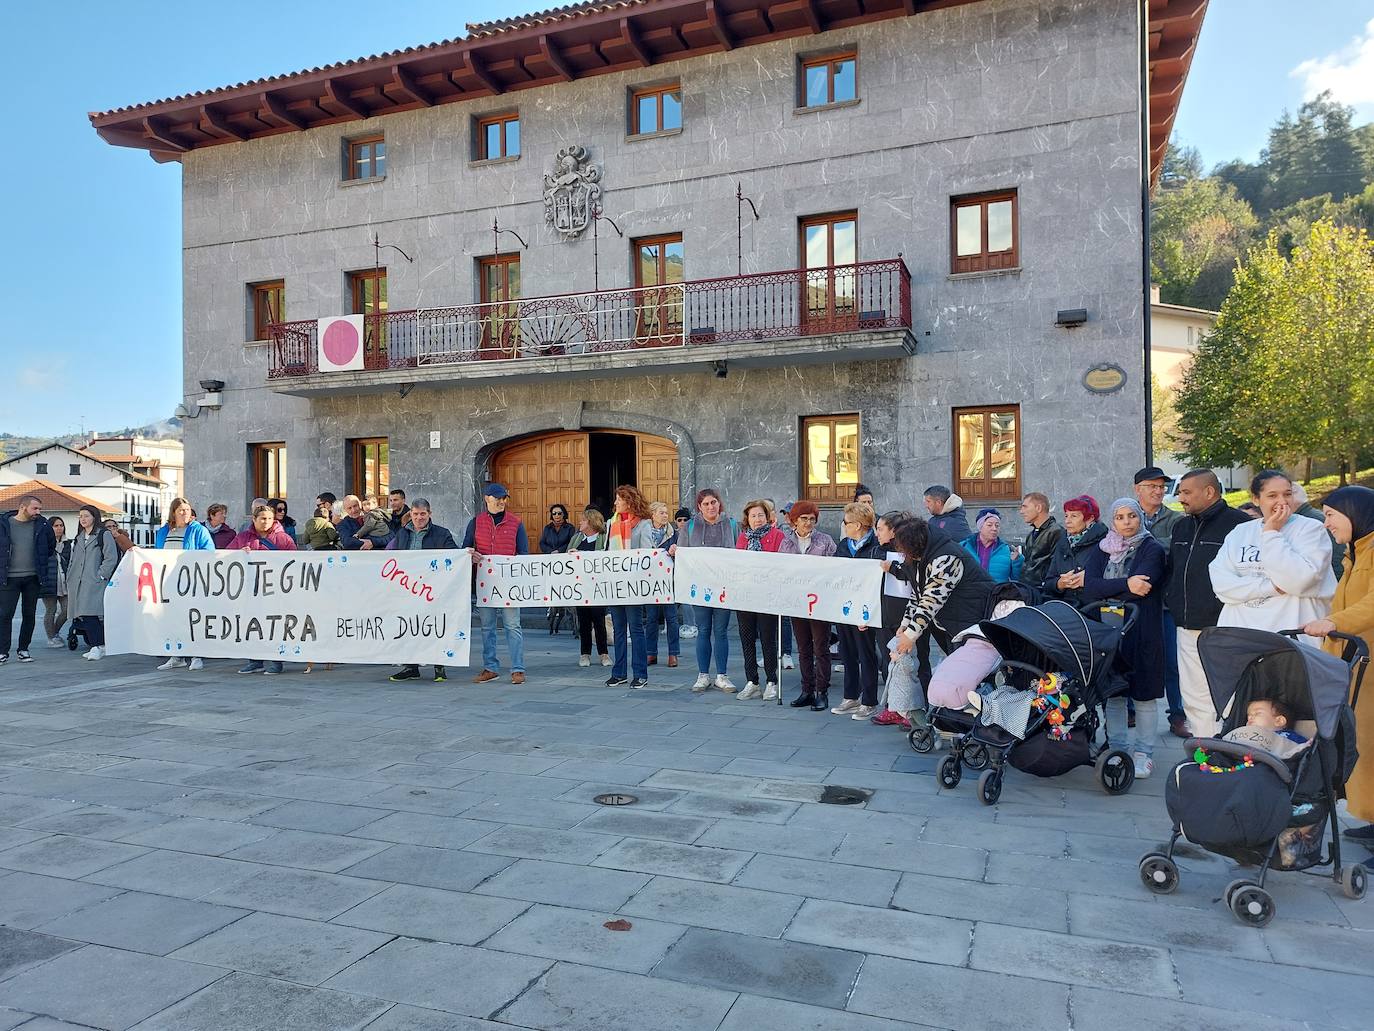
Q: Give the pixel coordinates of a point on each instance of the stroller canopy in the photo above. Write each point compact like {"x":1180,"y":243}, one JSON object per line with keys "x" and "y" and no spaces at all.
{"x":1312,"y":683}
{"x":1055,"y":637}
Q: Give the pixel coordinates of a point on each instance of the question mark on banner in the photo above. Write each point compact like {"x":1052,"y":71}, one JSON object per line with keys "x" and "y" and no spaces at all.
{"x":811,"y":603}
{"x":721,"y":597}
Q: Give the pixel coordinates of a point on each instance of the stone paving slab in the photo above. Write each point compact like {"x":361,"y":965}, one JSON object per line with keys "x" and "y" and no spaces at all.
{"x":354,"y":811}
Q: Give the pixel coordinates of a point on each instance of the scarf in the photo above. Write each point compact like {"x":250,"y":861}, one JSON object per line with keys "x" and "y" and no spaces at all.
{"x":658,"y":534}
{"x":1120,"y":549}
{"x":622,"y":527}
{"x":854,"y":545}
{"x":1356,"y":504}
{"x":753,"y":538}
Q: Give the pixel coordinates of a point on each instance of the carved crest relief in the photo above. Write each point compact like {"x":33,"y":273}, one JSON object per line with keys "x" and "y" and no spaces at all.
{"x":571,"y":192}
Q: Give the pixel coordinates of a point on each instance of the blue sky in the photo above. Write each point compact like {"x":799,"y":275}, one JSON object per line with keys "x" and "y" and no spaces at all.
{"x":91,"y":268}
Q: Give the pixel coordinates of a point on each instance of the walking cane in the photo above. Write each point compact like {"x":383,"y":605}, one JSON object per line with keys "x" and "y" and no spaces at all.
{"x":778,"y":667}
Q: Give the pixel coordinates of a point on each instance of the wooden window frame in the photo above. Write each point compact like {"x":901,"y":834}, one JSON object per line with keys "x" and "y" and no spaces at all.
{"x":827,"y":61}
{"x":501,"y":321}
{"x":351,"y":148}
{"x":963,"y":486}
{"x":834,"y":281}
{"x":358,"y":453}
{"x":260,"y":303}
{"x":374,"y":322}
{"x":985,"y":260}
{"x":660,"y":306}
{"x":261,"y":456}
{"x":833,"y":493}
{"x":480,"y":136}
{"x":657,"y":92}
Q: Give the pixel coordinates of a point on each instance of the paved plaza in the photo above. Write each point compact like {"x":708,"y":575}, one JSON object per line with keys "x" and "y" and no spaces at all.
{"x":294,"y":853}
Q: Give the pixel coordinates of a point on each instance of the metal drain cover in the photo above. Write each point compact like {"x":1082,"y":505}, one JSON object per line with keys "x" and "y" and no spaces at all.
{"x":833,"y":794}
{"x":614,"y":798}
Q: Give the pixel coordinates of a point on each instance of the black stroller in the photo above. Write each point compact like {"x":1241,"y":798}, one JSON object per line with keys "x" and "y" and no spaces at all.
{"x":1242,"y":802}
{"x":1055,"y":637}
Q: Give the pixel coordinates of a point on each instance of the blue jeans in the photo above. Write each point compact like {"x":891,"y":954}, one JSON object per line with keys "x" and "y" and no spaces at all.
{"x":627,"y":626}
{"x":712,"y":638}
{"x":651,"y":629}
{"x":1173,"y":696}
{"x":515,"y":639}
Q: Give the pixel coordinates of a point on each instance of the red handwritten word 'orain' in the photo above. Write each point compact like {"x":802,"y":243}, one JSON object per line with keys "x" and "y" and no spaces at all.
{"x":392,"y":573}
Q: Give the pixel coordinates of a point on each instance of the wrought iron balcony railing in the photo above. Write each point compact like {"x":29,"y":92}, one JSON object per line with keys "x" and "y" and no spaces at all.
{"x":800,"y":303}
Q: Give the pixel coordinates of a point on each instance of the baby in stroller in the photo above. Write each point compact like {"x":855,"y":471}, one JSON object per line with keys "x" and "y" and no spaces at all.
{"x":1267,"y":726}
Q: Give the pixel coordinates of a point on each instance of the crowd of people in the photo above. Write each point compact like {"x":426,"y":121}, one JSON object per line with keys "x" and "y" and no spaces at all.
{"x":1280,"y":564}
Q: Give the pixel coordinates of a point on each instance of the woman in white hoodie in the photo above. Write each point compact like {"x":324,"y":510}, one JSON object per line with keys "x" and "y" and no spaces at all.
{"x":1274,"y":572}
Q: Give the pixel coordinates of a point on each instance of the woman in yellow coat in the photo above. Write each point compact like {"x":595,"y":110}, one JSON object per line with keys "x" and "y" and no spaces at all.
{"x":1350,"y":518}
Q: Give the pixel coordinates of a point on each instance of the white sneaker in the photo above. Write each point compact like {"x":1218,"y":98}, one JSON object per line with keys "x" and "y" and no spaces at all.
{"x":723,"y":683}
{"x":95,"y":653}
{"x":584,"y":660}
{"x":845,"y":707}
{"x":56,"y":642}
{"x":687,"y":632}
{"x":770,"y":692}
{"x":703,"y":682}
{"x":787,"y":662}
{"x":605,"y":660}
{"x":174,"y":662}
{"x":197,"y":665}
{"x":1144,"y":765}
{"x":863,"y":712}
{"x":751,"y":691}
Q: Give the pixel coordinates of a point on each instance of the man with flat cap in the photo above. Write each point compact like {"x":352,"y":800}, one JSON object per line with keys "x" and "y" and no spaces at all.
{"x":1150,"y":487}
{"x":498,"y":532}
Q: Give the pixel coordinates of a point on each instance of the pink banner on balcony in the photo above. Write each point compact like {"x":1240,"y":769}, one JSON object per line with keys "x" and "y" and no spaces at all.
{"x":341,"y":343}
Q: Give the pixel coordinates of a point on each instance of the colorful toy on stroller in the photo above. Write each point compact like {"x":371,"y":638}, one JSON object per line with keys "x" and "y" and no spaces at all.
{"x":1056,"y":676}
{"x":1236,"y":799}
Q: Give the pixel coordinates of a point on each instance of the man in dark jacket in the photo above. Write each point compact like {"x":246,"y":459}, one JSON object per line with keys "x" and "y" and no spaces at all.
{"x":26,"y":571}
{"x":946,"y":513}
{"x":422,"y":534}
{"x":1188,"y":593}
{"x":1043,"y":538}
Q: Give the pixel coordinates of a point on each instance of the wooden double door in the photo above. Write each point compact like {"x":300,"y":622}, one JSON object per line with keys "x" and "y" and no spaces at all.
{"x":578,"y":468}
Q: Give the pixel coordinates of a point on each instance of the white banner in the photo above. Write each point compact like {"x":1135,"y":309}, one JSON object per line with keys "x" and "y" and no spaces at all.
{"x":639,"y":577}
{"x":303,"y":606}
{"x":340,"y":340}
{"x":836,"y":590}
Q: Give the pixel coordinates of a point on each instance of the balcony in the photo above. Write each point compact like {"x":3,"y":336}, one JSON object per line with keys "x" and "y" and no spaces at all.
{"x":802,"y":316}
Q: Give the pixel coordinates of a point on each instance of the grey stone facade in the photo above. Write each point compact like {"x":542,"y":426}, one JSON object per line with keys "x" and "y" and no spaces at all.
{"x":1040,"y":96}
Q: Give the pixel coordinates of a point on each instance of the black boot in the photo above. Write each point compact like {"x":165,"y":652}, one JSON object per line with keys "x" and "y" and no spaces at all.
{"x":821,"y":702}
{"x":803,"y":700}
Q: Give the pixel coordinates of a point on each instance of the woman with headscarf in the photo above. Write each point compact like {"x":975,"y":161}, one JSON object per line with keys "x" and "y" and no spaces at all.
{"x":986,"y":545}
{"x":1128,"y":565}
{"x":1274,"y":573}
{"x":1082,"y":534}
{"x":1349,"y":515}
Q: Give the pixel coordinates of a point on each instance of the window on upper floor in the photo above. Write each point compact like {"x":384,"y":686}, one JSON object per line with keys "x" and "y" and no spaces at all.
{"x":365,"y":157}
{"x":656,"y":109}
{"x":826,"y":79}
{"x":266,"y":304}
{"x":73,"y":469}
{"x":371,"y":467}
{"x":496,"y":137}
{"x":40,"y":468}
{"x":984,"y":236}
{"x":267,"y":469}
{"x":830,"y":458}
{"x":987,"y":453}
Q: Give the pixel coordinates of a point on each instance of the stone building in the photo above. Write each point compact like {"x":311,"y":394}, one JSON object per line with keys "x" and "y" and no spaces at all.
{"x":779,"y":247}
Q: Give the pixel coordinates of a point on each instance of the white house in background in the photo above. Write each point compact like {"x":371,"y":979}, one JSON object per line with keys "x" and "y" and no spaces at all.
{"x":134,"y":499}
{"x":163,"y":459}
{"x":57,"y":502}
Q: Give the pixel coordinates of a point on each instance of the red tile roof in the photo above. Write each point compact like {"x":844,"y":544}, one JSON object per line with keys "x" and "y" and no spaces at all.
{"x":51,"y":495}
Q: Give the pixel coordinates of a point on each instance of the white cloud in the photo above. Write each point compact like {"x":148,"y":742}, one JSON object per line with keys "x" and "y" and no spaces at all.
{"x":43,"y":378}
{"x":1348,"y":73}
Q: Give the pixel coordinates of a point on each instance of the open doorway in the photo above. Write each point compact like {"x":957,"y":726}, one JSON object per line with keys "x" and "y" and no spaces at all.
{"x":611,"y":462}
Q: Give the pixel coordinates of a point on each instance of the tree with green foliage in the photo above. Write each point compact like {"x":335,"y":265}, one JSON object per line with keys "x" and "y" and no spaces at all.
{"x":1289,"y":369}
{"x":1198,"y":231}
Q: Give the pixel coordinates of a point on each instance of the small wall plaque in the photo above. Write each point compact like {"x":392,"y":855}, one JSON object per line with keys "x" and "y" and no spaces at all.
{"x":1104,"y":379}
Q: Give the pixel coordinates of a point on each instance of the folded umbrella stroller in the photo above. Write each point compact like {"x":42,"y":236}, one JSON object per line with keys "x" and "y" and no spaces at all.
{"x":1242,"y":801}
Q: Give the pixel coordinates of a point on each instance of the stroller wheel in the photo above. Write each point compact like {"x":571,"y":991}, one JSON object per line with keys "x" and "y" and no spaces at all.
{"x":71,"y":640}
{"x":1354,"y":881}
{"x":1252,"y":905}
{"x":976,"y":757}
{"x":1231,"y":890}
{"x":1159,"y":873}
{"x":1115,"y":771}
{"x":990,"y":786}
{"x":951,"y":772}
{"x":922,"y":739}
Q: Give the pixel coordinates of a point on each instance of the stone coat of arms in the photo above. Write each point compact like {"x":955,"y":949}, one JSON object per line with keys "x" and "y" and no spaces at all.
{"x":571,"y":192}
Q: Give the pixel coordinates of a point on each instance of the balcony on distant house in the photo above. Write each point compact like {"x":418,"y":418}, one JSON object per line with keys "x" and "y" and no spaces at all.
{"x":802,"y":316}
